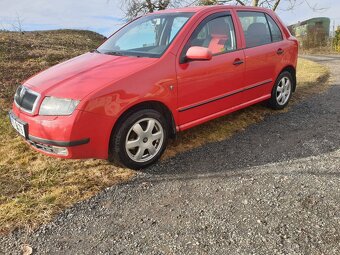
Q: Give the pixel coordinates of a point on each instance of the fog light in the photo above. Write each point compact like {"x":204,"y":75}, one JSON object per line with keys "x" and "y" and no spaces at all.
{"x":60,"y":150}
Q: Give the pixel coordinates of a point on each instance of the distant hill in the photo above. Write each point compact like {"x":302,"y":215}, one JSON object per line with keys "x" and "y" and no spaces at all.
{"x":24,"y":54}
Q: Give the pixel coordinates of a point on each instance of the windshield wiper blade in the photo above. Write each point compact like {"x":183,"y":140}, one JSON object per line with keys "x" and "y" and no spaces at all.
{"x":95,"y":51}
{"x":114,"y":53}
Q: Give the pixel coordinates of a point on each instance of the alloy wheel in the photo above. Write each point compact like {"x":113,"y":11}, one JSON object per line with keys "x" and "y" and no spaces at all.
{"x":283,"y":91}
{"x":144,"y":140}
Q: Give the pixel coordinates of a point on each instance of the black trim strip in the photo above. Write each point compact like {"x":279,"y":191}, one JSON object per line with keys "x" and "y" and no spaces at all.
{"x":59,"y":143}
{"x":224,"y":96}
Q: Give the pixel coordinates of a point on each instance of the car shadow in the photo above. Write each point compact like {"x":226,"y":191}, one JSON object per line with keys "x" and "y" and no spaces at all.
{"x":310,"y":128}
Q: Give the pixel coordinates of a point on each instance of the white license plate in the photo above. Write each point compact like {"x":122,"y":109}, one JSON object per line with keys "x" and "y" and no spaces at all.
{"x":18,"y":126}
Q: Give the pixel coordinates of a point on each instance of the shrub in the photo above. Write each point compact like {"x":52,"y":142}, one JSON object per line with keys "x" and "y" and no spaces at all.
{"x":336,"y":40}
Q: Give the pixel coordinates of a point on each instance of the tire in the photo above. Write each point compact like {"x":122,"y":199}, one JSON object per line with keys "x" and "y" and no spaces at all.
{"x":282,"y":91}
{"x":140,"y":139}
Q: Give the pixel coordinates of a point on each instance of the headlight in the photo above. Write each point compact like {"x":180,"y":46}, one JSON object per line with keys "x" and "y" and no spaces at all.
{"x":57,"y":106}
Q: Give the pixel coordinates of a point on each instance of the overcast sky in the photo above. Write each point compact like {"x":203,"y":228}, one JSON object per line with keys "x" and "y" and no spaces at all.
{"x":105,"y":16}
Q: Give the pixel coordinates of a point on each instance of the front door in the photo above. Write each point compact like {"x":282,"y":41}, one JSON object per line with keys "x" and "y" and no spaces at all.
{"x":205,"y":88}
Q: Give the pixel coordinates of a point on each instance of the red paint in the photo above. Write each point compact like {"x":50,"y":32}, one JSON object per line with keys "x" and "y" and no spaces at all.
{"x":194,"y":91}
{"x":199,"y":53}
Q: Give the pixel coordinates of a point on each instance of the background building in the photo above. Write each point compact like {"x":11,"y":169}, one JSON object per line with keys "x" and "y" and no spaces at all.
{"x":312,"y":33}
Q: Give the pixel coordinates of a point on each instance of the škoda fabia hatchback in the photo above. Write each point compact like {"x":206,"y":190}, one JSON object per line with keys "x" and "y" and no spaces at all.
{"x":159,"y":74}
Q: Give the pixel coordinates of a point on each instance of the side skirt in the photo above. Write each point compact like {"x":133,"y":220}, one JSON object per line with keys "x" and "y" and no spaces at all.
{"x":222,"y":113}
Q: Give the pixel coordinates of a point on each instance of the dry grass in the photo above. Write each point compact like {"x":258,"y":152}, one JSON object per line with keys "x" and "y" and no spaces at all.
{"x":319,"y":51}
{"x":310,"y":74}
{"x":34,"y":187}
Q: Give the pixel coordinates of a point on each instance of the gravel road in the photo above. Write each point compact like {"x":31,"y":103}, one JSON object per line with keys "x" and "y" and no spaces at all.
{"x":272,"y":189}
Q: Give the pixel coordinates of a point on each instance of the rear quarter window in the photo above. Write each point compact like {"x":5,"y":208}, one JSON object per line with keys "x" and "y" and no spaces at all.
{"x":275,"y":30}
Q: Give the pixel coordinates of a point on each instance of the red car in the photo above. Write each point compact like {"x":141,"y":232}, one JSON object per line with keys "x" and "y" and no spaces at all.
{"x":159,"y":74}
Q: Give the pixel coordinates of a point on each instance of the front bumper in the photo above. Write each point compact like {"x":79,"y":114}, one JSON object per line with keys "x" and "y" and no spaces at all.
{"x":58,"y":143}
{"x":74,"y":136}
{"x":57,"y":148}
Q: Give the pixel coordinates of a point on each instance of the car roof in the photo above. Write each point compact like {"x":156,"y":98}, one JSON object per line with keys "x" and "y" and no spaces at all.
{"x":196,"y":9}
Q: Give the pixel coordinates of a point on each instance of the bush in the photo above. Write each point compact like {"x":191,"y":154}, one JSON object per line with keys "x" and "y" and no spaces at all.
{"x":336,"y":40}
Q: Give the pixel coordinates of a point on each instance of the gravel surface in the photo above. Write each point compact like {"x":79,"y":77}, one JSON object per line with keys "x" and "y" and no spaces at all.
{"x":272,"y":189}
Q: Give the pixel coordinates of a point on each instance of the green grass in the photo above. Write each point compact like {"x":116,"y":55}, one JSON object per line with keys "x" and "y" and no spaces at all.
{"x":35,"y":187}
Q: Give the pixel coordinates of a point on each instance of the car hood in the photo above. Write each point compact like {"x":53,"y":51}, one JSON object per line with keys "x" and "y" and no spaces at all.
{"x":78,"y":77}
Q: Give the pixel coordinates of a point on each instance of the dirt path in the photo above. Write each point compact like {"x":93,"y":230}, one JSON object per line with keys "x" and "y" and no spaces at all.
{"x":272,"y":189}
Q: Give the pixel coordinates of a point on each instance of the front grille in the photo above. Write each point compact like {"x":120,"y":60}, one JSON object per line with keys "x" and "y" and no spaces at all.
{"x":40,"y":146}
{"x":26,"y":99}
{"x":61,"y":151}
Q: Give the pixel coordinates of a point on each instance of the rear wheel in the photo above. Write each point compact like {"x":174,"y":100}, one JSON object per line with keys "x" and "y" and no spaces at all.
{"x":140,"y":139}
{"x":282,"y":91}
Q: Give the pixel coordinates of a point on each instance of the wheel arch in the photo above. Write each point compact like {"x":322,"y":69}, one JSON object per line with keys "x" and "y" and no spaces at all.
{"x":154,"y":105}
{"x":291,"y":69}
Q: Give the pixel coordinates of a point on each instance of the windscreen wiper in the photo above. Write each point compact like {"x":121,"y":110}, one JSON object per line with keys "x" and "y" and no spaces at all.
{"x":115,"y":53}
{"x":95,"y":51}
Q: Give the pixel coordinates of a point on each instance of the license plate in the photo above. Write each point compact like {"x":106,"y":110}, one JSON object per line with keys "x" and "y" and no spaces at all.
{"x":18,"y":125}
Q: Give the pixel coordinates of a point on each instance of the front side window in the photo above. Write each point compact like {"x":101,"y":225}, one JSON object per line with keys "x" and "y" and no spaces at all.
{"x":217,"y":34}
{"x":177,"y":25}
{"x":255,"y":28}
{"x":147,"y":36}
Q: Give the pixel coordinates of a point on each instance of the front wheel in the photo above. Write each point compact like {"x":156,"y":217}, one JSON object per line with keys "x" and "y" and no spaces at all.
{"x":140,"y":139}
{"x":282,"y":91}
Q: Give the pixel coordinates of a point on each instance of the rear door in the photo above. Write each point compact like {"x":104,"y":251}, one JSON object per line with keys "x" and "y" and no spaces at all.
{"x":264,"y":52}
{"x":204,"y":86}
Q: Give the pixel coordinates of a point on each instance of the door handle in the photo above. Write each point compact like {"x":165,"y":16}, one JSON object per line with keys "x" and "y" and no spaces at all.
{"x":280,"y":51}
{"x":238,"y":62}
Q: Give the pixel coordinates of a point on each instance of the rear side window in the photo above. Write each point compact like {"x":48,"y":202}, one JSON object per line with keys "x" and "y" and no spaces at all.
{"x":275,"y":30}
{"x":217,"y":34}
{"x":255,"y":28}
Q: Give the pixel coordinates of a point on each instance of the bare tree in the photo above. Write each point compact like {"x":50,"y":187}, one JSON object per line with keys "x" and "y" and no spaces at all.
{"x":271,"y":4}
{"x":17,"y":26}
{"x":134,"y":8}
{"x":2,"y":27}
{"x":208,"y":2}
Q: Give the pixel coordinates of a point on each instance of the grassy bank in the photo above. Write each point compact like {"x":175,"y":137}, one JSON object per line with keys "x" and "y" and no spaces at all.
{"x":33,"y":187}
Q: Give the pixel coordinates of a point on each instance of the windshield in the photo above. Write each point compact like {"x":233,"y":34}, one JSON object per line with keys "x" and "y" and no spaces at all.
{"x":148,"y":36}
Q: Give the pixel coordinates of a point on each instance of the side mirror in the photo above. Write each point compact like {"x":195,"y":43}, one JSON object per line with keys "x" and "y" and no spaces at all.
{"x":198,"y":53}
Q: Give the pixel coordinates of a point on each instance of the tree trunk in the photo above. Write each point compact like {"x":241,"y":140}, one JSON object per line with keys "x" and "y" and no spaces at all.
{"x":255,"y":2}
{"x":276,"y":5}
{"x":162,"y":5}
{"x":150,"y":5}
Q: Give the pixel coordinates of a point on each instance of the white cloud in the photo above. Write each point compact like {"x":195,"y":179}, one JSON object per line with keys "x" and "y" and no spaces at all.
{"x":98,"y":15}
